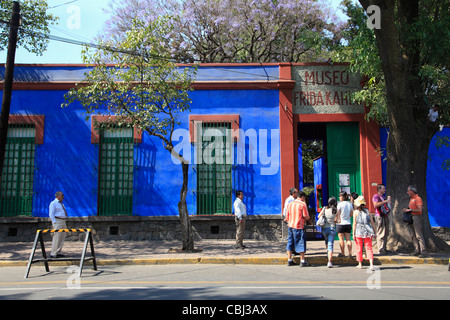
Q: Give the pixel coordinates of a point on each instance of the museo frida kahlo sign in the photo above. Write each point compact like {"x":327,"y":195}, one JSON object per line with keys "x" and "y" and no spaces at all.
{"x":325,"y":89}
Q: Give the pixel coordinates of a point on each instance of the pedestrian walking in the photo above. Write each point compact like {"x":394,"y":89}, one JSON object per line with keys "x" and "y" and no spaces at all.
{"x":382,"y":209}
{"x":363,"y":231}
{"x":296,"y":216}
{"x":240,"y":215}
{"x":416,"y":228}
{"x":329,"y":228}
{"x":344,"y":224}
{"x":58,"y":216}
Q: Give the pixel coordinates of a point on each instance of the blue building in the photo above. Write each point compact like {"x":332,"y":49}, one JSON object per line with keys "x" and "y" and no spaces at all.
{"x":255,"y":115}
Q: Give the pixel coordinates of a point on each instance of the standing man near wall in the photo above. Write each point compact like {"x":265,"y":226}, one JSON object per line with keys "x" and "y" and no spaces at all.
{"x":240,"y":214}
{"x":416,"y":229}
{"x":293,"y":192}
{"x":58,"y":215}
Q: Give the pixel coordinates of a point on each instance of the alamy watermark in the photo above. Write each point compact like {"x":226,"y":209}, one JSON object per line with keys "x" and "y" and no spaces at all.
{"x":74,"y":280}
{"x":374,"y":280}
{"x":374,"y":19}
{"x":74,"y":19}
{"x":219,"y":146}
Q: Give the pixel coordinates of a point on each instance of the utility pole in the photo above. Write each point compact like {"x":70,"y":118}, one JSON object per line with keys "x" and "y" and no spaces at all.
{"x":8,"y":83}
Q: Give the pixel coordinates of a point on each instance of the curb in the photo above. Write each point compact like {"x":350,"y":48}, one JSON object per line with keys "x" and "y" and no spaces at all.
{"x":315,"y":261}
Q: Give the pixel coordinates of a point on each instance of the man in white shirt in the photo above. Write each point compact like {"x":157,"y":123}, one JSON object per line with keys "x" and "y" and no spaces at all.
{"x":292,"y":196}
{"x":433,"y":114}
{"x":240,"y":214}
{"x":58,"y":215}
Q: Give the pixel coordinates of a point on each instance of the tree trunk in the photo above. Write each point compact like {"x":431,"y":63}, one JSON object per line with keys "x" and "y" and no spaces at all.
{"x":186,"y":228}
{"x":410,"y":131}
{"x":407,"y":163}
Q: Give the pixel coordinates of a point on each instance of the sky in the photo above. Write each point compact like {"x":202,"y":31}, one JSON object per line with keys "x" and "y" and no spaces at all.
{"x":80,"y":20}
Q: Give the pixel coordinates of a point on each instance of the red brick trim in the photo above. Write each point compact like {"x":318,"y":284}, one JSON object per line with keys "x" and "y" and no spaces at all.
{"x":233,"y":118}
{"x":37,"y":120}
{"x":95,"y":137}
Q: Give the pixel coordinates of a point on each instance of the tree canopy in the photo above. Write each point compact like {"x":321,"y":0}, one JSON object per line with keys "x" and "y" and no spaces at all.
{"x":427,"y":32}
{"x":236,"y":30}
{"x":34,"y":27}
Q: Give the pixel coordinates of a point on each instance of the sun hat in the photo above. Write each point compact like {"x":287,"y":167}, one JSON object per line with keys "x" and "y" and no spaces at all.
{"x":360,"y":201}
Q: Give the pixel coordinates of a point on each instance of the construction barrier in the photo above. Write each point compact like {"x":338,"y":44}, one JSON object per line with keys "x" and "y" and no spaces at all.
{"x":39,"y":239}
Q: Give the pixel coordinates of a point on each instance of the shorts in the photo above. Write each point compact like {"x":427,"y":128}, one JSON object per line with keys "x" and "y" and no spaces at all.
{"x":296,"y":240}
{"x":344,"y":228}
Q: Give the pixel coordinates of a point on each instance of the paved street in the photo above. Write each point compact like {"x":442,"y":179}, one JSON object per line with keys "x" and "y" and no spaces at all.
{"x":223,"y":282}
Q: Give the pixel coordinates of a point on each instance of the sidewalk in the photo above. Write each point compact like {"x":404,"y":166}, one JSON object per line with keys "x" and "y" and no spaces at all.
{"x":212,"y":252}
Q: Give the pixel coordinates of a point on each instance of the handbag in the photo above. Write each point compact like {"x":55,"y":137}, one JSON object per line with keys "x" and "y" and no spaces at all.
{"x":384,"y":210}
{"x":321,"y":222}
{"x":407,"y":217}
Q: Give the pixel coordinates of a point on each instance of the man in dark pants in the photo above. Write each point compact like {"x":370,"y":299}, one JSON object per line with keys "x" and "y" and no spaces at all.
{"x":240,"y":214}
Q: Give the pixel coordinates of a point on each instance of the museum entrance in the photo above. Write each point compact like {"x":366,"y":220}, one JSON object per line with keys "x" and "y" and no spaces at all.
{"x":329,"y":160}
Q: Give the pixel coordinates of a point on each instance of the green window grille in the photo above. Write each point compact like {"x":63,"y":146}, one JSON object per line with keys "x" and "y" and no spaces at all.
{"x":16,"y":197}
{"x":214,"y":168}
{"x":116,"y":173}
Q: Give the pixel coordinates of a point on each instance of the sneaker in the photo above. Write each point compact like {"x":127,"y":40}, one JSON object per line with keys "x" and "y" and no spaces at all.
{"x":423,"y":254}
{"x":292,"y":263}
{"x":329,"y":265}
{"x":305,"y":264}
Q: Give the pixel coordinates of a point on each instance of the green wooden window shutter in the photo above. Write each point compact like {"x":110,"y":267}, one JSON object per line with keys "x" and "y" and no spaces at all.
{"x":116,"y":173}
{"x":214,"y":168}
{"x":16,"y":197}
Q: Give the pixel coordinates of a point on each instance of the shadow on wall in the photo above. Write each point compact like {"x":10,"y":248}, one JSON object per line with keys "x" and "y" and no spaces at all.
{"x":67,"y":161}
{"x":149,"y":198}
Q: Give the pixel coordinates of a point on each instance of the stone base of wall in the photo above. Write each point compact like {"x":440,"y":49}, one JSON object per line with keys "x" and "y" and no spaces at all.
{"x":135,"y":228}
{"x":442,"y":232}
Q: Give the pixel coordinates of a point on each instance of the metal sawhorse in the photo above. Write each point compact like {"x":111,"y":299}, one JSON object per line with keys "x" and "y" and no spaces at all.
{"x":39,"y":239}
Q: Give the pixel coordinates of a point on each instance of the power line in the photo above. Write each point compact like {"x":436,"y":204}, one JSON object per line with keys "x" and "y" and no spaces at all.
{"x":63,"y":4}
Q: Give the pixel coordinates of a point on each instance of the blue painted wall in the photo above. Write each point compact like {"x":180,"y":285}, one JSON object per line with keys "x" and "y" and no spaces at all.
{"x":67,"y":160}
{"x":438,"y":178}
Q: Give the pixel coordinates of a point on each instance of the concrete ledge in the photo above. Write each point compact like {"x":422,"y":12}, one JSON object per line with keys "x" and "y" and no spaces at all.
{"x":315,"y":261}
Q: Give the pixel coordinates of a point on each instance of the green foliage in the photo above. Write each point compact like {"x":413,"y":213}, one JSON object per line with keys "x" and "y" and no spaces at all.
{"x":134,"y":81}
{"x":429,"y":33}
{"x":34,"y":28}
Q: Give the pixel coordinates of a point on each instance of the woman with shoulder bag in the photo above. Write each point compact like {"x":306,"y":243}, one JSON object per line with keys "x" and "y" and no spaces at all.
{"x":329,"y":228}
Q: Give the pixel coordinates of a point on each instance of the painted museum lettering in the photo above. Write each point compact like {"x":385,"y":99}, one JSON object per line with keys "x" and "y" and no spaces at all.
{"x":322,"y":98}
{"x":324,"y":89}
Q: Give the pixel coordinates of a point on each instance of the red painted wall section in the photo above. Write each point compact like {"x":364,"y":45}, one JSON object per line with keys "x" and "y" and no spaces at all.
{"x":288,"y":137}
{"x":95,"y":137}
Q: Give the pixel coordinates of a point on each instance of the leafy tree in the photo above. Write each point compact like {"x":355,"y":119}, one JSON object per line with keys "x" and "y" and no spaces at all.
{"x":135,"y":81}
{"x":237,"y":30}
{"x":406,"y":63}
{"x":34,"y":28}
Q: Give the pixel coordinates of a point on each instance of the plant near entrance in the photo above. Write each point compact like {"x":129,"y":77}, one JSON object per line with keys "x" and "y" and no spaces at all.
{"x":135,"y":82}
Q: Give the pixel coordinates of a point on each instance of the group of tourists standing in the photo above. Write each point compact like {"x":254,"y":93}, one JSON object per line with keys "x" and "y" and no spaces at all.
{"x":336,"y":217}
